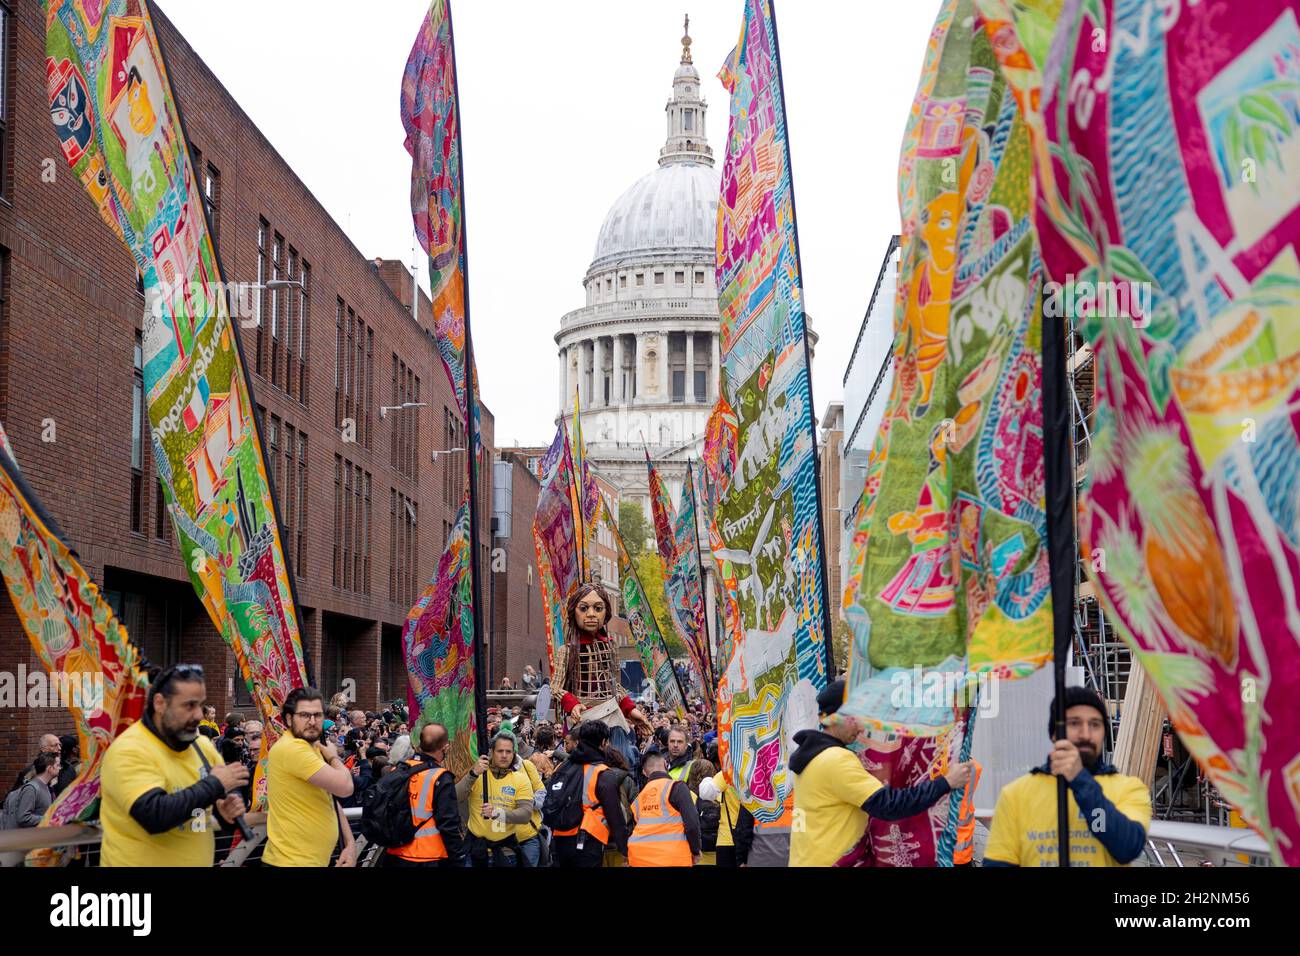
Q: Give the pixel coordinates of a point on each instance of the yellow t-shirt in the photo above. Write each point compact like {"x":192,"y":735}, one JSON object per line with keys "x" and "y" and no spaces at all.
{"x":302,"y":826}
{"x":503,"y":792}
{"x":137,"y":762}
{"x":526,"y":831}
{"x":1024,"y":821}
{"x":730,"y":805}
{"x":828,"y":818}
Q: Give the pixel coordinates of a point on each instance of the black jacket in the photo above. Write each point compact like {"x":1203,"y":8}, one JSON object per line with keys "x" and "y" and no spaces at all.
{"x":679,"y":795}
{"x":446,"y":811}
{"x":159,"y":811}
{"x":607,"y":792}
{"x":887,"y":803}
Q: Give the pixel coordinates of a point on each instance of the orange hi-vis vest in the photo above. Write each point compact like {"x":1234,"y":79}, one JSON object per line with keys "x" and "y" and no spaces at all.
{"x":427,"y":844}
{"x":659,"y":837}
{"x":593,"y":814}
{"x":965,"y":850}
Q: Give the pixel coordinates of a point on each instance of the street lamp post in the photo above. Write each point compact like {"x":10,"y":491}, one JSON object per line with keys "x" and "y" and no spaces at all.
{"x":384,"y":409}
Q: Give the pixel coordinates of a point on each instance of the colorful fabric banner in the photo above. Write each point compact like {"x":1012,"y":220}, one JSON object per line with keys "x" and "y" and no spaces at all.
{"x":725,"y":607}
{"x":113,"y":110}
{"x":555,"y":538}
{"x":764,"y":467}
{"x":587,"y":504}
{"x":431,"y":119}
{"x":1167,"y":149}
{"x":650,"y":645}
{"x":95,"y":670}
{"x":438,"y":645}
{"x":679,"y":562}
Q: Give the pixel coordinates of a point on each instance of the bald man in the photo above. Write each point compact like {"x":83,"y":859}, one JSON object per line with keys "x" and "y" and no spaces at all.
{"x":434,"y":807}
{"x":49,"y":745}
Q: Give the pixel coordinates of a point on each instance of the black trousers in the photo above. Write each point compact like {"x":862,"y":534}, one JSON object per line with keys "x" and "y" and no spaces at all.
{"x":565,"y":852}
{"x":726,"y":856}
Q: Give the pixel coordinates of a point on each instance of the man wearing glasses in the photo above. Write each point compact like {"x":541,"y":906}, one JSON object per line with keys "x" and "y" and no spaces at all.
{"x":303,"y":777}
{"x":161,"y":777}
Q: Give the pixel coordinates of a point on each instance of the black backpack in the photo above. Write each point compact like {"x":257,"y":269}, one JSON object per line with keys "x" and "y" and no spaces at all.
{"x":710,"y":817}
{"x":564,"y":797}
{"x":386,"y":817}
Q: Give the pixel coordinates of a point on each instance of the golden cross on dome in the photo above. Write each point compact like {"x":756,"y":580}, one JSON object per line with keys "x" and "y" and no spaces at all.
{"x":686,"y":40}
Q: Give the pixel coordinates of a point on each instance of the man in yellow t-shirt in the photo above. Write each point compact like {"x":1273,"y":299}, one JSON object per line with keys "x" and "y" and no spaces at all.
{"x":303,"y":777}
{"x":508,"y":803}
{"x":834,"y":795}
{"x":161,"y":776}
{"x":1109,"y":812}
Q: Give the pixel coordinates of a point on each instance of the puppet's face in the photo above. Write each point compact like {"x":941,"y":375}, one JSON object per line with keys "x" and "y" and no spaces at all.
{"x":590,"y":613}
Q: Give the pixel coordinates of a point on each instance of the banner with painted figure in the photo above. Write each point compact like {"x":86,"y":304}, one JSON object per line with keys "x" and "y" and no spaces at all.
{"x":764,"y":467}
{"x":954,"y":587}
{"x":1168,"y":170}
{"x":650,"y":645}
{"x":555,"y":538}
{"x":725,"y":606}
{"x":431,"y":118}
{"x":438,"y":645}
{"x":95,"y":670}
{"x":120,"y":130}
{"x":588,"y":500}
{"x":675,"y":538}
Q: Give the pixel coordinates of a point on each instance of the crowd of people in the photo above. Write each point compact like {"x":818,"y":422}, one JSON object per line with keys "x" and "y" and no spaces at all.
{"x":175,"y":786}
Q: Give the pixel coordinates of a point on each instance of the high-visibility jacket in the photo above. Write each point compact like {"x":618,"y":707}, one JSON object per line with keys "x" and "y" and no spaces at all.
{"x":659,"y":836}
{"x":593,"y":814}
{"x":681,"y":772}
{"x":964,"y":852}
{"x":427,"y":844}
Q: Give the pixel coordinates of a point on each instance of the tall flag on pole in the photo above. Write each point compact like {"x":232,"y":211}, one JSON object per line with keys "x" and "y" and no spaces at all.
{"x":442,"y":639}
{"x":121,"y":132}
{"x":766,"y":474}
{"x":555,"y":538}
{"x":677,"y":541}
{"x":650,"y":645}
{"x":438,"y":645}
{"x":587,"y":499}
{"x":1186,"y":291}
{"x":950,"y":573}
{"x":75,"y":635}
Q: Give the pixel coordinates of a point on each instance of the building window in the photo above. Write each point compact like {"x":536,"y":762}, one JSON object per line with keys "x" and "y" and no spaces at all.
{"x":392,"y":544}
{"x":6,"y":62}
{"x":259,"y":304}
{"x":346,"y":532}
{"x":640,"y":278}
{"x":300,"y":520}
{"x":338,"y":365}
{"x":137,"y":439}
{"x":659,"y":278}
{"x":689,"y":117}
{"x":338,"y":519}
{"x":679,"y":278}
{"x":277,"y":271}
{"x":622,"y":282}
{"x":160,"y":512}
{"x":699,"y":276}
{"x":304,"y":313}
{"x":288,"y":512}
{"x":701,"y":386}
{"x":277,"y":483}
{"x":290,"y":372}
{"x":679,"y":386}
{"x":212,"y":198}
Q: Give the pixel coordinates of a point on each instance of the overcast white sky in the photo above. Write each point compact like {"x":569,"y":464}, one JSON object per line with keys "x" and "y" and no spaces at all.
{"x":562,"y":105}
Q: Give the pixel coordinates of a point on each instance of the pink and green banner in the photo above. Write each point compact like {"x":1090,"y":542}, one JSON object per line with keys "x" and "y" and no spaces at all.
{"x":679,"y":561}
{"x":120,"y":131}
{"x":555,"y":538}
{"x":1166,"y":148}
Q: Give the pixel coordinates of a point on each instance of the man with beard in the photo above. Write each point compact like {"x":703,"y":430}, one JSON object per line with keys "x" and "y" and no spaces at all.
{"x":161,"y":777}
{"x":1109,"y":812}
{"x":303,"y":776}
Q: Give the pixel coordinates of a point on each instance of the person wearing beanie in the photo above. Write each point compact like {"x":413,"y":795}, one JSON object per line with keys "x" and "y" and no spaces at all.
{"x":834,"y":795}
{"x":1109,"y":812}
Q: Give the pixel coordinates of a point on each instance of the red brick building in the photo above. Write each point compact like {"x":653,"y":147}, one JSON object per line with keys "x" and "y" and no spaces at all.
{"x":365,"y":506}
{"x":518,"y":618}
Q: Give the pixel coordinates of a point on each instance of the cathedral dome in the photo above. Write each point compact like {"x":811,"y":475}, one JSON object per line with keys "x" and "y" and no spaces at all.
{"x":673,"y":208}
